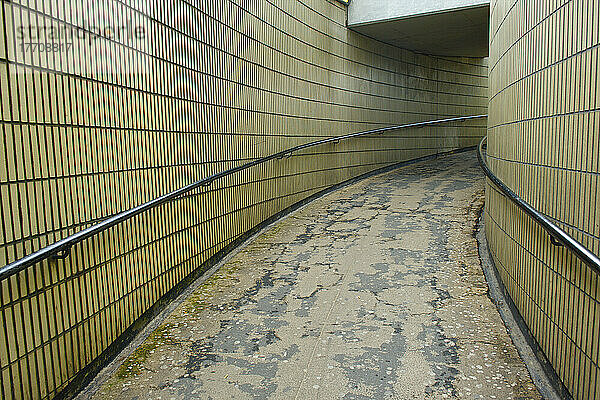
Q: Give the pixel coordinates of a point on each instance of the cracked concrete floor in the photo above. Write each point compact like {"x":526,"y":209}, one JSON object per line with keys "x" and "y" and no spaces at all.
{"x":374,"y":291}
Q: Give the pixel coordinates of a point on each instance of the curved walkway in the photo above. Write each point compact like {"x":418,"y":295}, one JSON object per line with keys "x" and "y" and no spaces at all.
{"x":374,"y":291}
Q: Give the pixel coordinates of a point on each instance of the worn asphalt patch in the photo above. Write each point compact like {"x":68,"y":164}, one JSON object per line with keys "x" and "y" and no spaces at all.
{"x":374,"y":291}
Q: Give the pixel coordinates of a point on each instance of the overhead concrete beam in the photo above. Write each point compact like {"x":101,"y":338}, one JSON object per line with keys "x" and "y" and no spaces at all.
{"x":447,"y":27}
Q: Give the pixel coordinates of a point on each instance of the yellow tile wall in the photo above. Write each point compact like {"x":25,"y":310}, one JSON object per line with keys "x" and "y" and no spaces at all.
{"x":543,"y":142}
{"x":92,"y":131}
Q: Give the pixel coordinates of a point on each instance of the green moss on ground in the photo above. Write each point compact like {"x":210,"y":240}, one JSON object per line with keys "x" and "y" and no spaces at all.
{"x":133,"y":365}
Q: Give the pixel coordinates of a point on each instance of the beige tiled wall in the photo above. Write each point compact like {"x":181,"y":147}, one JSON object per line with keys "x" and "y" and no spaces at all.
{"x":543,"y":142}
{"x":98,"y":128}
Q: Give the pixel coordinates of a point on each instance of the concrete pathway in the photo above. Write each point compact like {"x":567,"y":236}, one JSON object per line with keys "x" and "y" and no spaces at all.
{"x":374,"y":291}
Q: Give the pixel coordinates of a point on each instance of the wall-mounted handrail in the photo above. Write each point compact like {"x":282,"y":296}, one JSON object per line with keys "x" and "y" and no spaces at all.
{"x":557,"y":235}
{"x":60,"y":249}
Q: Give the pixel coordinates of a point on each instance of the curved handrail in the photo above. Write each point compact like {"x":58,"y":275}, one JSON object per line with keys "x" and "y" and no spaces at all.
{"x":60,"y":249}
{"x":557,"y":235}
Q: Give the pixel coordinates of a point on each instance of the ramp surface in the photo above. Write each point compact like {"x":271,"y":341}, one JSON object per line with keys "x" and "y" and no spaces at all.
{"x":374,"y":291}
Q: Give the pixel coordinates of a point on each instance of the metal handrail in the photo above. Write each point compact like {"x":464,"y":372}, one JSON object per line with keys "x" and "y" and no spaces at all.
{"x":60,"y":249}
{"x":558,"y":236}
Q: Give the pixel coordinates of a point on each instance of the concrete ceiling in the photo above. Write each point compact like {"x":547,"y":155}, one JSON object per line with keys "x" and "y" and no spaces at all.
{"x":456,"y":32}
